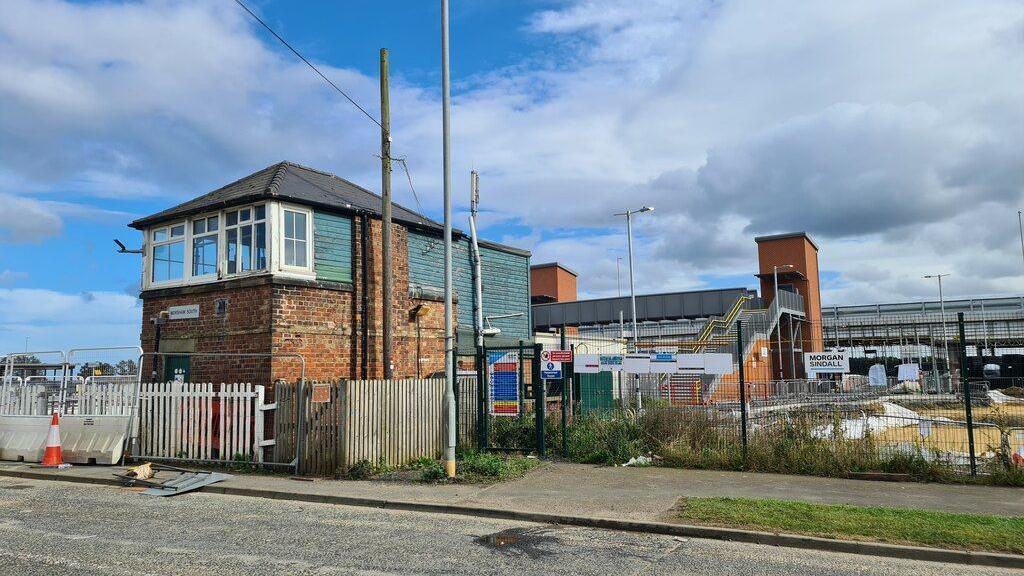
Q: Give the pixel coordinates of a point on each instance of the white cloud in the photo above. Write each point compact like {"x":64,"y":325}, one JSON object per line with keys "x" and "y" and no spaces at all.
{"x":58,"y":320}
{"x":893,"y":132}
{"x":8,"y":276}
{"x":27,"y":220}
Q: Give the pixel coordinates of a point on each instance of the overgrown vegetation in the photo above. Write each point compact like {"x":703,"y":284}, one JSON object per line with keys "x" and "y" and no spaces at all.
{"x":365,"y":469}
{"x":809,"y":442}
{"x":921,"y":527}
{"x":489,"y":467}
{"x":1015,"y":391}
{"x":474,"y":467}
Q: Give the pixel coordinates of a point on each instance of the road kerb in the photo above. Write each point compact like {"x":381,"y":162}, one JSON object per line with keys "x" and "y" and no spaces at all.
{"x":663,"y":528}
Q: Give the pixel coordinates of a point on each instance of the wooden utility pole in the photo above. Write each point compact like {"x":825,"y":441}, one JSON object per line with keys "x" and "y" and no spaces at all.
{"x":385,"y":211}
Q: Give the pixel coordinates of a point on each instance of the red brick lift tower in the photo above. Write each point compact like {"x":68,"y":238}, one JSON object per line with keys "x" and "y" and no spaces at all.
{"x":793,"y":258}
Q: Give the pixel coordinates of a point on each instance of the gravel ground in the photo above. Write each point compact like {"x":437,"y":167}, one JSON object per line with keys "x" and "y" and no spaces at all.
{"x":60,"y":528}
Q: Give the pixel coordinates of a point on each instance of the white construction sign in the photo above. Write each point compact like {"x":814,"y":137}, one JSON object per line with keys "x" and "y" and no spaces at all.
{"x":587,"y":364}
{"x":827,"y":362}
{"x":637,"y":363}
{"x":663,"y":363}
{"x":708,"y":363}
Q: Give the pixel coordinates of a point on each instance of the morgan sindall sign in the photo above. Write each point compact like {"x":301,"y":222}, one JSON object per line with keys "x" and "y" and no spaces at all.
{"x":827,"y":362}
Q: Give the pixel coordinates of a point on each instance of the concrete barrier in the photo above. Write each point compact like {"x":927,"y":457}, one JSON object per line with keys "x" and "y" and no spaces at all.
{"x":84,"y":439}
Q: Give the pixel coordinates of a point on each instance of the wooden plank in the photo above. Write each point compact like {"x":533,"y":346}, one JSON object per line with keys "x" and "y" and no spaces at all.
{"x":221,"y":410}
{"x":236,"y":421}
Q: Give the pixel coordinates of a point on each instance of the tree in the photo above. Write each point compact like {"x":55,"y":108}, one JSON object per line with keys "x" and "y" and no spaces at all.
{"x":20,"y":362}
{"x":89,"y":369}
{"x":126,"y":368}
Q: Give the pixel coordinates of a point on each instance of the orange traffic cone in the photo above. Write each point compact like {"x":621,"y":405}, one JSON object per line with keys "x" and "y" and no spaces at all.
{"x":51,"y":456}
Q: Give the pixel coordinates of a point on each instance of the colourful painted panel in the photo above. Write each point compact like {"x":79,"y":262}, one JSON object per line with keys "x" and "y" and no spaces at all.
{"x":503,"y":380}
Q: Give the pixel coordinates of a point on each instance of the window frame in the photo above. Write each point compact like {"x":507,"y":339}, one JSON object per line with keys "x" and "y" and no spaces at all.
{"x":183,"y":239}
{"x":205,"y":234}
{"x":274,"y":244}
{"x":251,"y":223}
{"x":282,"y":242}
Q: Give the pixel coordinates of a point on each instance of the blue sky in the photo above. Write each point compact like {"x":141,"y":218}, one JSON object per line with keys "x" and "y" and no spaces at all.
{"x":891,"y":132}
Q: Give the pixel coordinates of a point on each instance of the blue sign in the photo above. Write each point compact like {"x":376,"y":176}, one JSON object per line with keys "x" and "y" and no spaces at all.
{"x":551,"y":371}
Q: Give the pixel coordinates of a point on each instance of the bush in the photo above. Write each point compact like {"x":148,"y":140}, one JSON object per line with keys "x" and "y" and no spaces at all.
{"x":809,"y":441}
{"x":430,"y":469}
{"x":481,"y":464}
{"x":512,"y":431}
{"x":611,"y":438}
{"x":361,"y":470}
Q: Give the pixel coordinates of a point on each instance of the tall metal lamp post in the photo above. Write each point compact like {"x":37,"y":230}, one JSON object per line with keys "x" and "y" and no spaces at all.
{"x":778,"y":307}
{"x":632,"y":293}
{"x":945,"y":337}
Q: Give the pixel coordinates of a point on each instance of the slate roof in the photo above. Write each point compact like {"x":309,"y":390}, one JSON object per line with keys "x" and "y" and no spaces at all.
{"x":303,"y":185}
{"x":289,"y":181}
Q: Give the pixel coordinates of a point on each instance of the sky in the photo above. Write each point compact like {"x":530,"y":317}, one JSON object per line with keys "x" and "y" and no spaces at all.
{"x":892,"y":132}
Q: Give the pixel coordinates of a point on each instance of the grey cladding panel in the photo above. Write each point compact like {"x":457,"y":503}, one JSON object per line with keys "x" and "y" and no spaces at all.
{"x":679,"y":305}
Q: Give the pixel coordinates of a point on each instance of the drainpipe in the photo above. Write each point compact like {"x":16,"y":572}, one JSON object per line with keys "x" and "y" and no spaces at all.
{"x":158,"y":322}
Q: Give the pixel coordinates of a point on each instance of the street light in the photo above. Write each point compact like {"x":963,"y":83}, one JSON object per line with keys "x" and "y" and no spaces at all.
{"x":942,"y":310}
{"x":778,"y":308}
{"x":632,"y":294}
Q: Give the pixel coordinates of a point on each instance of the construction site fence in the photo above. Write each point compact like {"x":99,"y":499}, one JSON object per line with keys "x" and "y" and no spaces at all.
{"x":951,"y":398}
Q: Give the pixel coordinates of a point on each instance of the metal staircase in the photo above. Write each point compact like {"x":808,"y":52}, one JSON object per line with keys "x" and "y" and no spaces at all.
{"x":758,"y":326}
{"x":719,"y":334}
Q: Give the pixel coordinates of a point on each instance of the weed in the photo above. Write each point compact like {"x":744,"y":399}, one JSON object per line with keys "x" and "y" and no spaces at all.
{"x":361,"y":470}
{"x":430,"y":469}
{"x":241,"y":463}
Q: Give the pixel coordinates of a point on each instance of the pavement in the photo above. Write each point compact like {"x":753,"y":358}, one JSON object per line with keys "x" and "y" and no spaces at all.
{"x":641,"y":494}
{"x":60,"y":528}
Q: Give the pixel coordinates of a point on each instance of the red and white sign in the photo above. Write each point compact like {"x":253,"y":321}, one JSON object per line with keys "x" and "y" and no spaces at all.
{"x":560,"y":355}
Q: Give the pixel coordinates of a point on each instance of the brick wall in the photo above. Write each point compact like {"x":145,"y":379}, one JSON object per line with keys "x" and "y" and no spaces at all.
{"x":803,"y":255}
{"x":318,"y":323}
{"x":554,"y":282}
{"x":243,"y":327}
{"x":322,"y":321}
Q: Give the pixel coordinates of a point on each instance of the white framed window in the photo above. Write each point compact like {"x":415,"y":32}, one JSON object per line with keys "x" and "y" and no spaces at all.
{"x":295,"y":236}
{"x":204,"y":245}
{"x":168,"y":254}
{"x":245,"y":239}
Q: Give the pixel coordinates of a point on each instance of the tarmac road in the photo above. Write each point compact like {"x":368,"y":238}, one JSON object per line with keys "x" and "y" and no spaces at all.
{"x":56,"y":528}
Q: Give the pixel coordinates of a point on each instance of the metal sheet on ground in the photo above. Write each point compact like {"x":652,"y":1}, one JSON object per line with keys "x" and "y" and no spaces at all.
{"x":187,"y":482}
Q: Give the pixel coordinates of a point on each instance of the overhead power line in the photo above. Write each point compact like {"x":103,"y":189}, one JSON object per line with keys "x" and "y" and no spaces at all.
{"x":308,"y":63}
{"x":405,"y":167}
{"x":408,"y":176}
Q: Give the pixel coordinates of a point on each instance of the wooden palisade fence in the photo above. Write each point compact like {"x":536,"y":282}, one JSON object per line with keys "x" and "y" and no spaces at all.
{"x":201,"y":421}
{"x":388,"y":422}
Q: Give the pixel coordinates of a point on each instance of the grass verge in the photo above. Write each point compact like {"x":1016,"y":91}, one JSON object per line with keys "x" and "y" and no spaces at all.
{"x":893,"y":525}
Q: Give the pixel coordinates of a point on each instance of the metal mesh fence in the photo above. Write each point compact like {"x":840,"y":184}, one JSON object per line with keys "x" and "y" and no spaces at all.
{"x":900,"y":407}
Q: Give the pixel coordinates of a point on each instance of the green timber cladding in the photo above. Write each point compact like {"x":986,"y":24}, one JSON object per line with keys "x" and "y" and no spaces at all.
{"x":332,"y":247}
{"x":506,"y":279}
